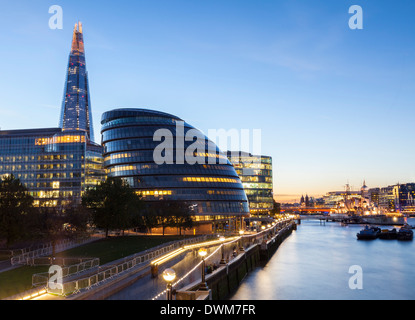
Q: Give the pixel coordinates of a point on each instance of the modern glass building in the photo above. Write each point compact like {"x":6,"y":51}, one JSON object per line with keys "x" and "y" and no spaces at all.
{"x":255,"y":172}
{"x":76,"y":106}
{"x":58,"y":164}
{"x":132,"y":139}
{"x":55,"y":166}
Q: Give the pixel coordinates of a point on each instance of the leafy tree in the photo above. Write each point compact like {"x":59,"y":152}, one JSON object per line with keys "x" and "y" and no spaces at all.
{"x":113,"y":205}
{"x":173,"y":214}
{"x":15,"y":204}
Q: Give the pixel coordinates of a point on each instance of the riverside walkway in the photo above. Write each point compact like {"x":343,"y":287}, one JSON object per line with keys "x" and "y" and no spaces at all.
{"x":139,"y":281}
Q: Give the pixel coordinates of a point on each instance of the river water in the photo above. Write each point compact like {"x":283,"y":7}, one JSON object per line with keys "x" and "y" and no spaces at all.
{"x":314,"y":264}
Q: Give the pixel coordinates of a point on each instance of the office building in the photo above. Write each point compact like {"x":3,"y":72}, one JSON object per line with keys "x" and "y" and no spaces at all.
{"x":255,"y":172}
{"x":58,"y":164}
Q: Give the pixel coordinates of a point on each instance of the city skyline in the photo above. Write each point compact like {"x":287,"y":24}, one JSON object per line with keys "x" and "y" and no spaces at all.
{"x":333,"y":104}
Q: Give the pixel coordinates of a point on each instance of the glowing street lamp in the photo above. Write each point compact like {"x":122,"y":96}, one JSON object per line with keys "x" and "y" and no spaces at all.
{"x":169,"y":275}
{"x":203,"y":286}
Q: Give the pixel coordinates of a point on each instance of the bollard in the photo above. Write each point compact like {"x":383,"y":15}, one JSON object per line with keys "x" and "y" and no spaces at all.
{"x":154,"y":271}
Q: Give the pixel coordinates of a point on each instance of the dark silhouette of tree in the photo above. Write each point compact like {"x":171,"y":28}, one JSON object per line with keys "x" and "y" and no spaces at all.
{"x":113,"y":205}
{"x":165,"y":214}
{"x":276,"y":208}
{"x":15,"y":205}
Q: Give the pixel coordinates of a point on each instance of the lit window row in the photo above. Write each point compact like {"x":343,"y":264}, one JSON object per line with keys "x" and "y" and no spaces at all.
{"x":210,"y":179}
{"x":60,"y":139}
{"x":122,"y":168}
{"x":145,"y":193}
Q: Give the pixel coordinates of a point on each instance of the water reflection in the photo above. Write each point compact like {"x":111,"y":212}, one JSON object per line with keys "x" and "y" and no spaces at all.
{"x":313,"y":264}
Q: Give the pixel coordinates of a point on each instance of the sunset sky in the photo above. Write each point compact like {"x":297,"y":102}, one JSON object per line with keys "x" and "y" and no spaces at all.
{"x":334,"y":105}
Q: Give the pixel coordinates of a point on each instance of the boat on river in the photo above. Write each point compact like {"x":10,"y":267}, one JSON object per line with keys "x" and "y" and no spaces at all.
{"x":369,"y":233}
{"x":388,"y":234}
{"x":405,"y":234}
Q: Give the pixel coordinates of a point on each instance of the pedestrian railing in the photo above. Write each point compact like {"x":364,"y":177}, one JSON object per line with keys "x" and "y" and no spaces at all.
{"x":69,"y":267}
{"x":26,"y":258}
{"x":123,"y":266}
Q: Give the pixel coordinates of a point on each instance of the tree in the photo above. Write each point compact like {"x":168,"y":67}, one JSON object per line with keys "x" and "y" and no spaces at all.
{"x":276,"y":208}
{"x":15,"y":204}
{"x":182,"y":215}
{"x":173,"y":214}
{"x":113,"y":205}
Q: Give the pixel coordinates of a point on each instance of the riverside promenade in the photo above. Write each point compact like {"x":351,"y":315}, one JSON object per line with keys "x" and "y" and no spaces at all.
{"x":139,"y":277}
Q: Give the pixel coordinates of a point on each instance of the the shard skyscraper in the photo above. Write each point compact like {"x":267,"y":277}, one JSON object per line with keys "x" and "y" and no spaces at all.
{"x":76,"y":107}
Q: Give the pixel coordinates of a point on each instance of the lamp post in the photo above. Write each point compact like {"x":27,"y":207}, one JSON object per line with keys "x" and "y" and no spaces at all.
{"x":222,"y":239}
{"x":241,"y":245}
{"x":203,"y":286}
{"x":169,"y":275}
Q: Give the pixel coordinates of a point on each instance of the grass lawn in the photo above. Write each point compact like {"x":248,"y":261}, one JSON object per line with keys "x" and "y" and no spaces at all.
{"x":107,"y":250}
{"x":112,"y":249}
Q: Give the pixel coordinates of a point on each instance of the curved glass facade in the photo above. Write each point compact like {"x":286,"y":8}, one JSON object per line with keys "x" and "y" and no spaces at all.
{"x":211,"y":184}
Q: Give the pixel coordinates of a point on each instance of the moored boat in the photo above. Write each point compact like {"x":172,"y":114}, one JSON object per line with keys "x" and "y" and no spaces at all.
{"x":388,"y":234}
{"x":405,"y":234}
{"x":368,"y":233}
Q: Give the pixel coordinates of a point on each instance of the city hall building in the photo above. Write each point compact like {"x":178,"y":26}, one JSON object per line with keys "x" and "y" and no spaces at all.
{"x":131,"y":140}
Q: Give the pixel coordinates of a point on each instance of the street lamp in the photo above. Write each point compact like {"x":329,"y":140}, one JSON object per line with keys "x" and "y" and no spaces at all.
{"x":241,"y":246}
{"x":169,"y":275}
{"x":203,"y":286}
{"x":222,"y":239}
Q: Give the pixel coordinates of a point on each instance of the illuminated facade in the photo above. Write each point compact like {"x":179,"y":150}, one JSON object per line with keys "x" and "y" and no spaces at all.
{"x":76,"y":106}
{"x":212,"y":188}
{"x":255,"y":173}
{"x":58,"y":164}
{"x":55,"y":166}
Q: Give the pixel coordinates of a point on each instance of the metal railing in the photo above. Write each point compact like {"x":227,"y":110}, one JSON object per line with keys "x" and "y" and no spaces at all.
{"x":70,"y":267}
{"x":125,"y":265}
{"x":27,"y":257}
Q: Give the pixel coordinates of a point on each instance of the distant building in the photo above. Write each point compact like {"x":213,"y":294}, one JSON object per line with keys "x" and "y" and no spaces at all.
{"x":255,"y":172}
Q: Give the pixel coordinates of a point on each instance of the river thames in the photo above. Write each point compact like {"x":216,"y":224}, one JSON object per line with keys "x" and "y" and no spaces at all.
{"x":313,"y":264}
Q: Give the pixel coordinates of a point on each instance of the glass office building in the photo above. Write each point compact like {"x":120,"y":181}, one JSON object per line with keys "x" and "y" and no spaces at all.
{"x":131,"y":138}
{"x":58,"y":164}
{"x":55,"y":166}
{"x":255,"y":173}
{"x":76,"y":106}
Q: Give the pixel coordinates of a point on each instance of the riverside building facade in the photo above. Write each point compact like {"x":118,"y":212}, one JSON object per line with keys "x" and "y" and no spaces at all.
{"x":255,"y":172}
{"x":54,"y":165}
{"x":131,"y":139}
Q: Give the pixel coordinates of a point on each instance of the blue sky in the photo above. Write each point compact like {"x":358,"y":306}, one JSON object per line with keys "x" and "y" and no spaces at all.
{"x":335,"y":105}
